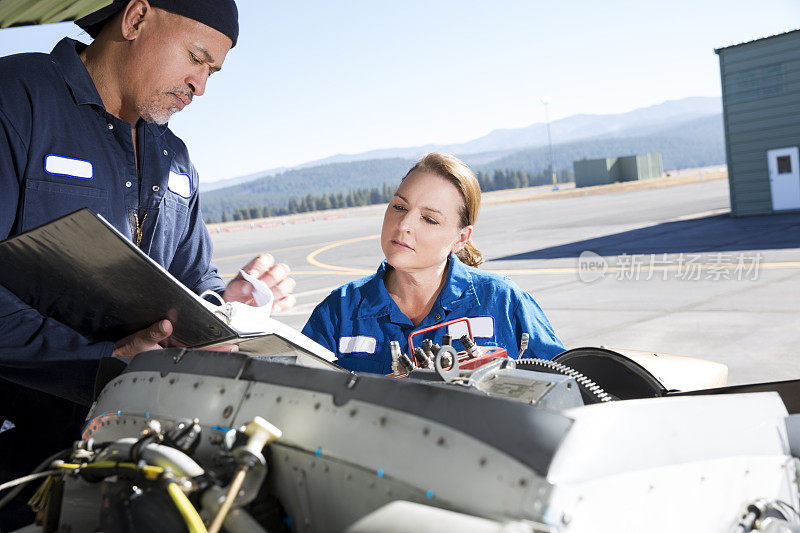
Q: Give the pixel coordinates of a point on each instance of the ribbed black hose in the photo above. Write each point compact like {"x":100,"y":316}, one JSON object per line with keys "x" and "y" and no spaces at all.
{"x":587,"y":385}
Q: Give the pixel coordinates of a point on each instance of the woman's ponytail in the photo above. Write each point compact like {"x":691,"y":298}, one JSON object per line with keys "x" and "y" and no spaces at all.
{"x":470,"y":255}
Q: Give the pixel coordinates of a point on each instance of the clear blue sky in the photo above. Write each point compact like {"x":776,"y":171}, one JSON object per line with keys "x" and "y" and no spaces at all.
{"x":313,"y":79}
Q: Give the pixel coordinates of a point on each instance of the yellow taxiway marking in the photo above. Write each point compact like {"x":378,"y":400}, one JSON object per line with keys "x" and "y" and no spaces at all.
{"x":251,"y":254}
{"x":334,"y":269}
{"x":312,"y":257}
{"x":337,"y":270}
{"x":343,"y":271}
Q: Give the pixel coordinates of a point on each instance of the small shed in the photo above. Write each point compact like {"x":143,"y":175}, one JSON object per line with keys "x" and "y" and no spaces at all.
{"x":761,"y":110}
{"x":589,"y":172}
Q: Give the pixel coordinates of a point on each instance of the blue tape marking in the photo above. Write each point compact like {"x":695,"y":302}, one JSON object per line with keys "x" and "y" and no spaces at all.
{"x":91,"y":166}
{"x":429,"y":494}
{"x":380,"y":472}
{"x":318,"y":452}
{"x":147,"y":414}
{"x":220,"y":428}
{"x":188,"y":178}
{"x":103,"y":416}
{"x":119,"y":413}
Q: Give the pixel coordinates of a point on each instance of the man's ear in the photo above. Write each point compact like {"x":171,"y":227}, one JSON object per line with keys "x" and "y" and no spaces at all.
{"x":133,"y":16}
{"x":463,"y":238}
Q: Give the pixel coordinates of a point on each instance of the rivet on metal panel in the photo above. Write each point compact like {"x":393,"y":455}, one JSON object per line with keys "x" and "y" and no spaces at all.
{"x":196,"y":384}
{"x":353,"y":412}
{"x":482,"y":462}
{"x":352,"y":382}
{"x":440,"y":441}
{"x":316,"y":406}
{"x":228,"y":411}
{"x":425,"y":431}
{"x":222,"y":391}
{"x":523,"y":482}
{"x":383,"y":421}
{"x":171,"y":381}
{"x":278,"y":399}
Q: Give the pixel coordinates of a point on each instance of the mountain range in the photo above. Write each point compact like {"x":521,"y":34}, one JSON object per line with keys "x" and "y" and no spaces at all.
{"x":502,"y":142}
{"x":687,"y":133}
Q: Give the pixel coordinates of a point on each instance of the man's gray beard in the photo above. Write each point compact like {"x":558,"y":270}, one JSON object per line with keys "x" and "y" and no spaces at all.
{"x":151,"y":112}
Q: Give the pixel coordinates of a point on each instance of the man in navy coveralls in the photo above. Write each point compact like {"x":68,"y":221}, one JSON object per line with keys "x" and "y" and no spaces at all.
{"x":86,"y":126}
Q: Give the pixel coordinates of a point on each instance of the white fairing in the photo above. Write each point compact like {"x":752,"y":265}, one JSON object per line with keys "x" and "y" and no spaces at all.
{"x":671,"y":464}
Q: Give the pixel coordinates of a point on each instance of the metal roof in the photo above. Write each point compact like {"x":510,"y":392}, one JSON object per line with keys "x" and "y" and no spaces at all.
{"x":31,"y":12}
{"x":717,"y":50}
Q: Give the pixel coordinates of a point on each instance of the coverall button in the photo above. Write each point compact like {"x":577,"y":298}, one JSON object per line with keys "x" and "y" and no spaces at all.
{"x":128,"y":184}
{"x":165,"y":152}
{"x":110,"y":126}
{"x":155,"y":188}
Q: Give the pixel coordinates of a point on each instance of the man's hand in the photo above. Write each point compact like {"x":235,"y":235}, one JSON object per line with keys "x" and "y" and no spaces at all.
{"x":143,"y":340}
{"x":275,"y":276}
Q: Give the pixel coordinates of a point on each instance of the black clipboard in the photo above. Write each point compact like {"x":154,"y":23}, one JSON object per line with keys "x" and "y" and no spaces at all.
{"x":81,"y":271}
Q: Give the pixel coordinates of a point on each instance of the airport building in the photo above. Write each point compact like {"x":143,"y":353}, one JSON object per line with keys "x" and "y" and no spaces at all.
{"x":761,"y":109}
{"x":589,"y":172}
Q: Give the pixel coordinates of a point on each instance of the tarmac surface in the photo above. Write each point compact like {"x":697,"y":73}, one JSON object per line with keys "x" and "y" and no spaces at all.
{"x":662,"y":268}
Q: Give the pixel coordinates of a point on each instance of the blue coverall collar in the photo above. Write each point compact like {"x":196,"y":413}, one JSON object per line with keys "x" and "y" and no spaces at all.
{"x":81,"y":86}
{"x":66,"y":58}
{"x":458,"y":290}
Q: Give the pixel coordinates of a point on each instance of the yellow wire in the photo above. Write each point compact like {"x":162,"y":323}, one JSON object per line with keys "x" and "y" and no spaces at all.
{"x":150,"y":472}
{"x":187,"y":510}
{"x":185,"y":507}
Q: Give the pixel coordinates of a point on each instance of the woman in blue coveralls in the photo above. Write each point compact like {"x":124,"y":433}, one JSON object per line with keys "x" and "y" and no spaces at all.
{"x":429,"y":277}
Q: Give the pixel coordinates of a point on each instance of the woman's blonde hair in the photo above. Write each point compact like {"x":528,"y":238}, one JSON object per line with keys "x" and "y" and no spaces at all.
{"x":458,"y":173}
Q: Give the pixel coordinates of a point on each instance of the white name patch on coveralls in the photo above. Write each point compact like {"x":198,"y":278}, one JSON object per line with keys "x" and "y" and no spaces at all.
{"x":180,"y":184}
{"x":359,"y":343}
{"x":482,"y":326}
{"x":68,"y":166}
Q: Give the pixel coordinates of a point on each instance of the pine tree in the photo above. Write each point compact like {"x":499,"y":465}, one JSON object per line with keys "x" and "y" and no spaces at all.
{"x":499,"y":180}
{"x":375,"y":196}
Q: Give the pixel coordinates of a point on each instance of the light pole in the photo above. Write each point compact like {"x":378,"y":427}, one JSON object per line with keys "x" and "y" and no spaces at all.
{"x":545,"y":101}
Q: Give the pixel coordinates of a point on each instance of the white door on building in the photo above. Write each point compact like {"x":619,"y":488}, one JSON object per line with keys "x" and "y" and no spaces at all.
{"x":784,"y":177}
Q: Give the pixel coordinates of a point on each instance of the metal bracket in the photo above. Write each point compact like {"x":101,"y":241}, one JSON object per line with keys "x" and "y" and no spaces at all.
{"x":453,"y":373}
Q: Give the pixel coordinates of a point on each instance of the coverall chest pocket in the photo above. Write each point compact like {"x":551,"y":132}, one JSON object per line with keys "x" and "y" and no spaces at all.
{"x":45,"y":201}
{"x":175,"y":215}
